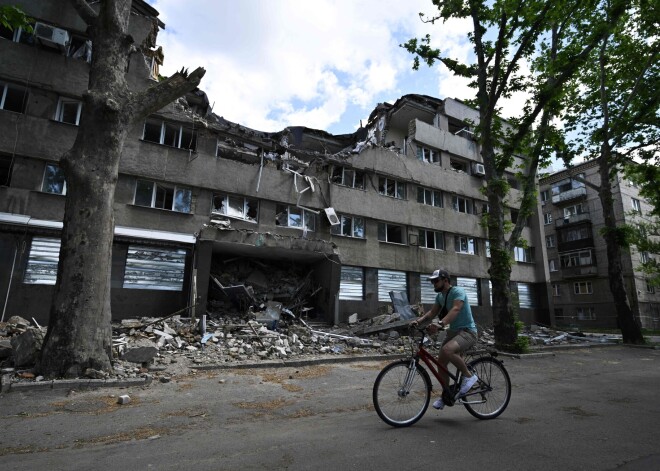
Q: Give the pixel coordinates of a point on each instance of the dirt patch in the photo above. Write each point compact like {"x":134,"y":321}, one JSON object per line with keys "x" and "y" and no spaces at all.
{"x":141,"y":433}
{"x":579,"y":412}
{"x":265,"y":406}
{"x":22,"y":450}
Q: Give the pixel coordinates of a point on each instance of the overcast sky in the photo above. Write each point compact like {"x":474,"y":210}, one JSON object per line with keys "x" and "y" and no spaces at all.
{"x":323,"y":64}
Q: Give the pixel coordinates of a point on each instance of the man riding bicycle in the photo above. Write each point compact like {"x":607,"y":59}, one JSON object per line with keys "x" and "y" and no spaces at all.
{"x":461,"y":333}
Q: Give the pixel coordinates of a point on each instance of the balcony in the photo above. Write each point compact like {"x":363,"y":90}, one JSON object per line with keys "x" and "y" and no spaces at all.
{"x":569,"y":195}
{"x":576,"y":272}
{"x":572,"y":219}
{"x":572,"y":245}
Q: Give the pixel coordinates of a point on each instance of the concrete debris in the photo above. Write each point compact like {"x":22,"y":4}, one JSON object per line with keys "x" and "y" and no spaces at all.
{"x":26,"y":346}
{"x":125,"y":399}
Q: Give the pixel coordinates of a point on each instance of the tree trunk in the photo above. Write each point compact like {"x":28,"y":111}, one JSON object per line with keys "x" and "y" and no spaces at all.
{"x":630,"y":329}
{"x":79,"y":330}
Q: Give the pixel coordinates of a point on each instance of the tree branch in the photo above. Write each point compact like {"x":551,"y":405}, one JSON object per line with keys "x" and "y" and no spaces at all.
{"x":86,"y":12}
{"x":154,"y":98}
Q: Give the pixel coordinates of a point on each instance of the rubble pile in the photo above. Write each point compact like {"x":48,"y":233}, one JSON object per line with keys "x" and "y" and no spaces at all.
{"x":165,"y":347}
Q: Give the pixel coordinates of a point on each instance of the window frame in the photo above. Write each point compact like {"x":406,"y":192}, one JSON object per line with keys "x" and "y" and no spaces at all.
{"x":356,"y":177}
{"x":434,"y":156}
{"x":226,"y":200}
{"x":170,"y":130}
{"x":307,"y":217}
{"x":138,"y":266}
{"x":423,"y":239}
{"x":469,"y":241}
{"x":5,"y":87}
{"x":338,"y":229}
{"x":547,"y":218}
{"x":523,"y":254}
{"x":59,"y":111}
{"x":636,"y":205}
{"x":349,"y":278}
{"x":162,"y":191}
{"x":550,"y":241}
{"x":426,"y":194}
{"x":57,"y":173}
{"x":384,"y":229}
{"x":579,"y":285}
{"x":384,"y":184}
{"x":456,"y":204}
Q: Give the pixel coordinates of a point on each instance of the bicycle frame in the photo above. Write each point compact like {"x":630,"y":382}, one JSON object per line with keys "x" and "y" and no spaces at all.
{"x":433,"y":365}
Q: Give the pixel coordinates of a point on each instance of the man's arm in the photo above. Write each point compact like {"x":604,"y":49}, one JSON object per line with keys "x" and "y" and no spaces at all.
{"x":453,"y":312}
{"x":428,"y":315}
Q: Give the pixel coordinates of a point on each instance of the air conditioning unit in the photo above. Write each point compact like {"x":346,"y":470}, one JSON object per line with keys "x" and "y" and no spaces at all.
{"x":332,"y":216}
{"x":478,"y":169}
{"x":51,"y":36}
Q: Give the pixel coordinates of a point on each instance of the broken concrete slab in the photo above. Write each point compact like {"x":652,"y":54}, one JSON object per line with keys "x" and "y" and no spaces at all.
{"x":144,"y":354}
{"x":26,"y":347}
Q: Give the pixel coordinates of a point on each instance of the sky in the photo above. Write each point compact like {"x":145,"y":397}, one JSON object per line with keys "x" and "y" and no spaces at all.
{"x":322,"y":64}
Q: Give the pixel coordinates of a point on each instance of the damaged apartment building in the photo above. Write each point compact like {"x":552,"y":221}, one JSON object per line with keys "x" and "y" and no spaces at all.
{"x":210,"y":214}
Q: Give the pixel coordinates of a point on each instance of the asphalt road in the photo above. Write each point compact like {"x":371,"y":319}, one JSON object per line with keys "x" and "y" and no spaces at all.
{"x":584,"y":409}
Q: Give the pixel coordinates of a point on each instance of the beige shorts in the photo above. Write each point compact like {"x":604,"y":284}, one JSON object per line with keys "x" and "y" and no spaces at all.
{"x":464,"y":337}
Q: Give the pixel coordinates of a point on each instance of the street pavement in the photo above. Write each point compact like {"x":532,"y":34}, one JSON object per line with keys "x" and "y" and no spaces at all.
{"x":575,"y":409}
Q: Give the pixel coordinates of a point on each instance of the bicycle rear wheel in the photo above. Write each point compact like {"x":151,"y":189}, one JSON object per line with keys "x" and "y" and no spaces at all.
{"x":492,"y":393}
{"x":401,"y":394}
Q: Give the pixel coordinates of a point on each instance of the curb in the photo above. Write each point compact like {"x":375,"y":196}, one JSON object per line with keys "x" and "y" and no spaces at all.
{"x":296,"y":363}
{"x":79,"y":383}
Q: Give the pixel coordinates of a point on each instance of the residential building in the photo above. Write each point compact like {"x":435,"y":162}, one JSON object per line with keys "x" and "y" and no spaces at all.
{"x":359,"y":215}
{"x":577,"y":255}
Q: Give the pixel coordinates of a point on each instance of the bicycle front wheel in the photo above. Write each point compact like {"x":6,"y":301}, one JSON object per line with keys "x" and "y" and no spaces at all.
{"x":492,"y":393}
{"x":401,"y":393}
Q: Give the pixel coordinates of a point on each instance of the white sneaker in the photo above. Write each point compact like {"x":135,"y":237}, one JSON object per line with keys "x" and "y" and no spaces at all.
{"x":439,"y":404}
{"x":467,"y":384}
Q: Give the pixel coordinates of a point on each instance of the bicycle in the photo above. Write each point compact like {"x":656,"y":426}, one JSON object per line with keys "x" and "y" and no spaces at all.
{"x":402,"y":390}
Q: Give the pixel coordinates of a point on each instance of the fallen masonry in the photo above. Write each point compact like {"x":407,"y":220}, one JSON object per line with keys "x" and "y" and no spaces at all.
{"x":176,"y":345}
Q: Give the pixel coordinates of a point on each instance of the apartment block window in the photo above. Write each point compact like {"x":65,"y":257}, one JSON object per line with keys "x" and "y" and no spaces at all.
{"x":523,"y":254}
{"x":461,"y":205}
{"x":392,"y":188}
{"x":458,"y":165}
{"x":466,"y":245}
{"x":545,"y":196}
{"x":42,"y":261}
{"x":636,"y":205}
{"x":550,"y":241}
{"x":428,"y":155}
{"x":349,"y":226}
{"x":487,"y":243}
{"x":390,"y":233}
{"x":649,"y":287}
{"x":472,"y":289}
{"x":154,"y":268}
{"x":577,"y":259}
{"x":525,"y":296}
{"x":162,"y":196}
{"x":236,"y":207}
{"x":13,"y":98}
{"x":390,"y":280}
{"x":577,"y":233}
{"x":431,"y":239}
{"x":553,"y":265}
{"x":348,"y":177}
{"x":169,"y":134}
{"x":429,"y":197}
{"x":54,"y":181}
{"x":293,"y":216}
{"x":567,"y":184}
{"x":556,"y":289}
{"x":6,"y":164}
{"x":351,"y":284}
{"x":547,"y":218}
{"x":68,"y":111}
{"x":573,"y":210}
{"x":586,"y":314}
{"x":643,"y":256}
{"x":583,"y":287}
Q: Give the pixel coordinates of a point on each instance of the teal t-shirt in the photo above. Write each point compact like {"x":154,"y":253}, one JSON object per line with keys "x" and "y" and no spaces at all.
{"x":464,"y":320}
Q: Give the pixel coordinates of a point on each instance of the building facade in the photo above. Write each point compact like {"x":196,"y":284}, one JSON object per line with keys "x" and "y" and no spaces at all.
{"x":206,"y":208}
{"x":577,"y":255}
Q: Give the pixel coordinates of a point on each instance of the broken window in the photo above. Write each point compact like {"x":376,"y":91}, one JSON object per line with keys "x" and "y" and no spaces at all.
{"x":428,"y":155}
{"x":236,"y":207}
{"x":68,"y":111}
{"x":431,"y":239}
{"x":636,"y":205}
{"x":79,"y":48}
{"x":348,"y":177}
{"x":154,"y":268}
{"x":351,"y":284}
{"x":567,"y":184}
{"x":293,"y":216}
{"x":13,"y":98}
{"x":461,"y":205}
{"x":390,"y":280}
{"x":466,"y":245}
{"x":430,"y":197}
{"x":42,"y":261}
{"x":169,"y":134}
{"x":54,"y":181}
{"x":459,"y":165}
{"x":390,"y":233}
{"x":349,"y":226}
{"x":472,"y":289}
{"x":392,"y":188}
{"x":6,"y":164}
{"x":161,"y":196}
